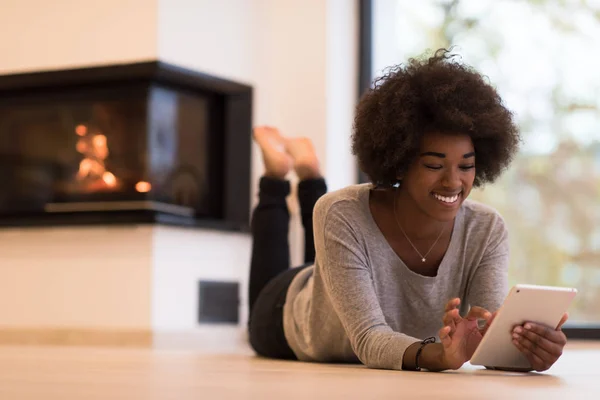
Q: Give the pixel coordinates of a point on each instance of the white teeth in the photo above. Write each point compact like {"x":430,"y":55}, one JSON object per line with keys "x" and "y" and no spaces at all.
{"x":446,"y":199}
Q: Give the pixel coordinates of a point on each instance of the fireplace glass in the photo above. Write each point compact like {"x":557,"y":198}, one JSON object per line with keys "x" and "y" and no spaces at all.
{"x":130,"y":147}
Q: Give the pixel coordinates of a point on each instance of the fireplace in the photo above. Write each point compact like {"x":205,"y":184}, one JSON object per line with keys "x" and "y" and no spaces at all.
{"x":144,"y":142}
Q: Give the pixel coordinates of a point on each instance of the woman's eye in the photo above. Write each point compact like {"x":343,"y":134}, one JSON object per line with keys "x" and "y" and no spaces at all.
{"x":433,"y":166}
{"x":438,"y":167}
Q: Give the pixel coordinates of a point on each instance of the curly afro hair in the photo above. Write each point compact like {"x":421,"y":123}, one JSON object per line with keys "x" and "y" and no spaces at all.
{"x":431,"y":94}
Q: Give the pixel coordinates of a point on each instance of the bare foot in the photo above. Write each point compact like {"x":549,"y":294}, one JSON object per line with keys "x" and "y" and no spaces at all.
{"x":306,"y":163}
{"x":277,"y":162}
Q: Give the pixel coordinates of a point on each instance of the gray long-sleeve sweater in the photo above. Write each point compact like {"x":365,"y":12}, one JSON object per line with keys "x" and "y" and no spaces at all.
{"x":360,"y":302}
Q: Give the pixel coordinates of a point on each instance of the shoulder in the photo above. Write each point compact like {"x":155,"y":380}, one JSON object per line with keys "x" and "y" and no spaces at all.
{"x":351,"y":198}
{"x":343,"y":212}
{"x":475,"y":209}
{"x":483,"y":220}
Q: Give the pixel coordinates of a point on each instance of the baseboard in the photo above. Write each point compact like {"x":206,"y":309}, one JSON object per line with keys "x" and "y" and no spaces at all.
{"x":75,"y":337}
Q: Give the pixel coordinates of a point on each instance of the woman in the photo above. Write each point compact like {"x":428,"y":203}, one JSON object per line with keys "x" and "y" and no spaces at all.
{"x":396,"y":264}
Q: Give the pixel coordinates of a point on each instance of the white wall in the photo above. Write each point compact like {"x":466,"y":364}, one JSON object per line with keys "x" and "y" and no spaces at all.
{"x":300,"y":57}
{"x":87,"y":277}
{"x":124,"y":278}
{"x":182,"y":257}
{"x":40,"y":34}
{"x":215,"y":37}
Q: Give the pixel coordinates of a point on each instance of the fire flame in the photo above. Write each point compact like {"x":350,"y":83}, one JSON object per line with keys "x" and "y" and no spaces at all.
{"x":81,"y":130}
{"x":143,"y":187}
{"x":94,"y":148}
{"x":109,"y":179}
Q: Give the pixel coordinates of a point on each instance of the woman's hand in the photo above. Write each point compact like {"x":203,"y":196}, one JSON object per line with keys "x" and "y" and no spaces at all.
{"x":461,"y":336}
{"x":541,"y":344}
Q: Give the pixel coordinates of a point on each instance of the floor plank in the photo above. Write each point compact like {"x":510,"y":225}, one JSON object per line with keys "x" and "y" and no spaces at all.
{"x":116,"y":373}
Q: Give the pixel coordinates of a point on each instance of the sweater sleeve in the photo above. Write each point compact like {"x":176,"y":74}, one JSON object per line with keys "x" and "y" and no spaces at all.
{"x":489,"y":283}
{"x":349,"y":284}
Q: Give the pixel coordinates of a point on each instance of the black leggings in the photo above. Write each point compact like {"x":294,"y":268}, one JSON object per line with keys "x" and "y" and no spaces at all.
{"x":270,"y":273}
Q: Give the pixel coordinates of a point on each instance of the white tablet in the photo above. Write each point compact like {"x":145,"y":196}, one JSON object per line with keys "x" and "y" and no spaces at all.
{"x":525,"y":303}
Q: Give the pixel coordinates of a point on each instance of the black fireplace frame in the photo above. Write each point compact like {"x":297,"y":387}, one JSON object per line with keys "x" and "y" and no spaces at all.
{"x":237,"y":124}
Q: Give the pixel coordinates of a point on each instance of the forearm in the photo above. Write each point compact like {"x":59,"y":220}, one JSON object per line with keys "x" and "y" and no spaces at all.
{"x":430,"y":359}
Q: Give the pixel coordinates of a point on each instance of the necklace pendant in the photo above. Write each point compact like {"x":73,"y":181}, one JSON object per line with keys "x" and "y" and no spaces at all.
{"x":422,"y":259}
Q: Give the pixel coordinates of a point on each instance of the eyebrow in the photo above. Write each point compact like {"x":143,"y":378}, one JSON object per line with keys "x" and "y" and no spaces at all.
{"x":442,"y":155}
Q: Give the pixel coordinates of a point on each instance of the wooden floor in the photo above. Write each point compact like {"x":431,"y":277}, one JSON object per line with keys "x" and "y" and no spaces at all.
{"x":109,"y":373}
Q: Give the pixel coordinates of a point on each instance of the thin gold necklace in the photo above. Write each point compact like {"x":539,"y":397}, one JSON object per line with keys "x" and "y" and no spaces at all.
{"x":423,"y":257}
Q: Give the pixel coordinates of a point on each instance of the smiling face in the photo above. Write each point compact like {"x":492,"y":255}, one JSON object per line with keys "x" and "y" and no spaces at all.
{"x":442,"y":175}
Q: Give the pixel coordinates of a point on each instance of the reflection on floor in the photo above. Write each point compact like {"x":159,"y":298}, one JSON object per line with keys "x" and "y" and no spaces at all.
{"x":67,"y":373}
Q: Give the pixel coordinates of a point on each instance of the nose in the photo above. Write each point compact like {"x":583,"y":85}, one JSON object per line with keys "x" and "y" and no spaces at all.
{"x":451,"y":179}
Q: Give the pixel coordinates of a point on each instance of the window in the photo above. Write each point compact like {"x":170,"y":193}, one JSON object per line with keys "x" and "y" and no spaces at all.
{"x":540,"y":55}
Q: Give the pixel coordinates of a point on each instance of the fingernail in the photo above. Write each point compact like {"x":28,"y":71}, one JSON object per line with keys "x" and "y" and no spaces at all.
{"x":518,"y":329}
{"x":527,"y":326}
{"x":515,"y":336}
